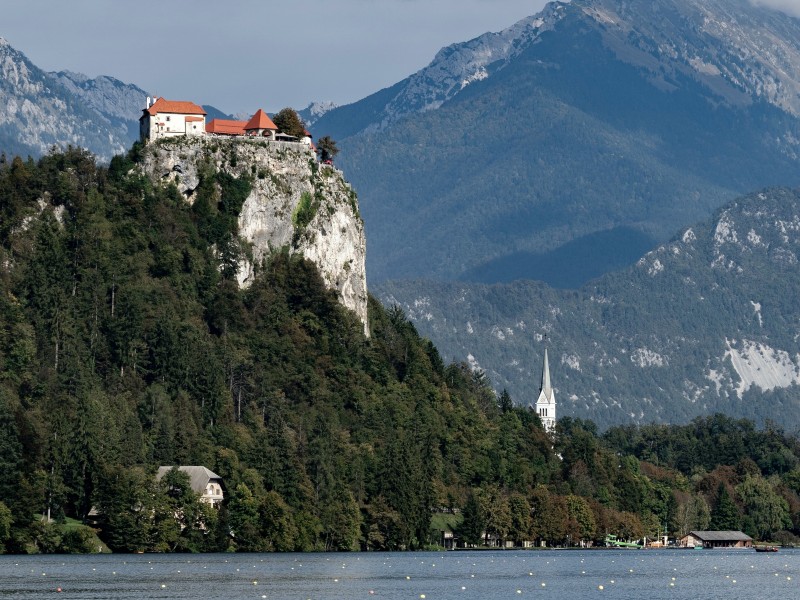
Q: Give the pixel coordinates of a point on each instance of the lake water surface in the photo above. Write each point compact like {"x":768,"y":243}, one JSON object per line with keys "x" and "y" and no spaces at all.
{"x":646,"y":574}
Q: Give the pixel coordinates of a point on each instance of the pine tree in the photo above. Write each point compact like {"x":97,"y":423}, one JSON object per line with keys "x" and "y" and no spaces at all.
{"x":326,"y":146}
{"x":472,"y":527}
{"x":505,"y":403}
{"x":725,"y":516}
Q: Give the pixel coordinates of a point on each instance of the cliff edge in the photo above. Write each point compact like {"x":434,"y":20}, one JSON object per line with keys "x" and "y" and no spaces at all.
{"x":294,"y":202}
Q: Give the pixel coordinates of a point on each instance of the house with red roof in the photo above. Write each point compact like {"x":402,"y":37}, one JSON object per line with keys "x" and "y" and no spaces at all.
{"x":166,"y":118}
{"x":261,"y":125}
{"x":225,"y":127}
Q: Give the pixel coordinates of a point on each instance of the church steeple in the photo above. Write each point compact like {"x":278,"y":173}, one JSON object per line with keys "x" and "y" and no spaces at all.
{"x":546,"y":403}
{"x":545,"y":387}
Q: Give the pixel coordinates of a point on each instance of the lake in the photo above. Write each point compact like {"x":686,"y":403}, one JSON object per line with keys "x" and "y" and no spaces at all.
{"x":650,"y":574}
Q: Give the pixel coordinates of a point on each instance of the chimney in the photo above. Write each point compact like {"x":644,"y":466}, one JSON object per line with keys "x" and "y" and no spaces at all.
{"x":148,"y":102}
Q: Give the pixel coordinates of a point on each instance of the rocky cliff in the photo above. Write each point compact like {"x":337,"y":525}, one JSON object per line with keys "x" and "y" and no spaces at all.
{"x":293,"y":203}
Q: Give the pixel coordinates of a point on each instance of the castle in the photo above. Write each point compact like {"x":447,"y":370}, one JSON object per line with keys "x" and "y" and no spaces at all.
{"x":168,"y":118}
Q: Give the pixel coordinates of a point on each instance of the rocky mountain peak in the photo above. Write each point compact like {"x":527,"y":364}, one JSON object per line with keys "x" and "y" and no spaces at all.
{"x":316,"y":110}
{"x":42,"y":110}
{"x":740,"y":51}
{"x":108,"y":95}
{"x":458,"y":65}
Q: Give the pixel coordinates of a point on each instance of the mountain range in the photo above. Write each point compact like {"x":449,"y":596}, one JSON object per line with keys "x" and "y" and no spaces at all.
{"x":45,"y":109}
{"x":707,"y":322}
{"x":572,"y":142}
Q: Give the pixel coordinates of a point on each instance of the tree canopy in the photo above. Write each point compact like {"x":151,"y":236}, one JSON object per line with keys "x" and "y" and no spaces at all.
{"x":327,"y":148}
{"x":289,"y":122}
{"x":126,"y":344}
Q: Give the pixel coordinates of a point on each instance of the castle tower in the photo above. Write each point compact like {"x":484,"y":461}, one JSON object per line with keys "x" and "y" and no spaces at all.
{"x":546,"y":403}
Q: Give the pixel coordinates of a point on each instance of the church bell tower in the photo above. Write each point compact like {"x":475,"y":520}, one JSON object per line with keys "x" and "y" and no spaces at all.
{"x":546,"y":403}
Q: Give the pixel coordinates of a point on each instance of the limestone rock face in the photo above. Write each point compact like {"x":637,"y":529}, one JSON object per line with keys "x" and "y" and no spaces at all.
{"x":294,"y":203}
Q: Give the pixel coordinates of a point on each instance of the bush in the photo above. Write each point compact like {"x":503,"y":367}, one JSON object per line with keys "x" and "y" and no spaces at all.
{"x":305,"y":211}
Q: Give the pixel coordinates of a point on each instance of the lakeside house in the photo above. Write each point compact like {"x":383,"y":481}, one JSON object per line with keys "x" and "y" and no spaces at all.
{"x":716,"y":539}
{"x":202,"y":481}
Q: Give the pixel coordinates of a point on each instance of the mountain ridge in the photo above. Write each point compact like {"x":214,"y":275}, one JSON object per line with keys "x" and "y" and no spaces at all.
{"x":593,"y":124}
{"x":704,"y":323}
{"x":41,"y":110}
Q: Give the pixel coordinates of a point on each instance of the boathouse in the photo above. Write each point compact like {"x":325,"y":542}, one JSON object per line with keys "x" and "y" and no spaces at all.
{"x":717,"y":539}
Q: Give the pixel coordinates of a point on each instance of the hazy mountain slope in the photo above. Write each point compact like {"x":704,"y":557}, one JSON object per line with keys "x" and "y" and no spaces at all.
{"x":595,"y":116}
{"x":121,"y":103}
{"x":39,"y":110}
{"x":707,"y":322}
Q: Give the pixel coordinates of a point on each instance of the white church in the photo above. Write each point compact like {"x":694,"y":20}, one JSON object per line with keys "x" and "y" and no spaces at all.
{"x":546,"y":403}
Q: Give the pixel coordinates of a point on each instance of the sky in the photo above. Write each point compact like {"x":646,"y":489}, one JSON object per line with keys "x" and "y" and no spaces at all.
{"x":240,"y":55}
{"x":791,"y":7}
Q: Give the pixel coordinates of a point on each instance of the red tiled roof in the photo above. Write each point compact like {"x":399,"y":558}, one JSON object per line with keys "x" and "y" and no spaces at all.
{"x":260,"y":120}
{"x":175,"y":106}
{"x":191,"y":119}
{"x":226,"y":127}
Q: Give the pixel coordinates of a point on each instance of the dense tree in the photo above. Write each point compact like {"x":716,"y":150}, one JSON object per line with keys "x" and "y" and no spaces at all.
{"x":126,"y":344}
{"x":581,"y":525}
{"x":473,"y":524}
{"x":725,"y":516}
{"x":765,"y":511}
{"x":5,"y":525}
{"x":692,"y":514}
{"x":327,"y":149}
{"x":289,"y":122}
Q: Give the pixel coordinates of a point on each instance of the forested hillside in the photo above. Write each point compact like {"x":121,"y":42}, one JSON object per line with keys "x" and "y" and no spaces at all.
{"x":126,"y":344}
